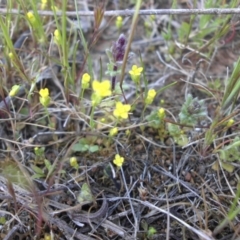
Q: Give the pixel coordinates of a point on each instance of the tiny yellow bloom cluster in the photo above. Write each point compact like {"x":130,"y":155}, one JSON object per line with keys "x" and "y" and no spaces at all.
{"x":10,"y":55}
{"x":85,"y":80}
{"x":118,"y":160}
{"x":44,"y":97}
{"x":101,"y":90}
{"x":44,"y":4}
{"x":127,"y":132}
{"x":150,"y":96}
{"x":119,"y":22}
{"x":230,"y":122}
{"x":47,"y":236}
{"x":32,"y":19}
{"x":55,"y":8}
{"x":57,"y":37}
{"x":14,"y":90}
{"x":74,"y":163}
{"x":121,"y":110}
{"x":161,"y":113}
{"x":135,"y":73}
{"x":113,"y":132}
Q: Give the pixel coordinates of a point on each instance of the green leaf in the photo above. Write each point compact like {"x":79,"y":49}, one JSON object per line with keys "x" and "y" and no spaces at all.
{"x":93,"y":148}
{"x":228,"y":167}
{"x":2,"y":220}
{"x":48,"y":165}
{"x":230,"y":152}
{"x":24,"y":111}
{"x":14,"y":174}
{"x":79,"y":147}
{"x":192,"y":111}
{"x":154,"y":120}
{"x":37,"y":170}
{"x":183,"y":31}
{"x":179,"y":137}
{"x":37,"y":176}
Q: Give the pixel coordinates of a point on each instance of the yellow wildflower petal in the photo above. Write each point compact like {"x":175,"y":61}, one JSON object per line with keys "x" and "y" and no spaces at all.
{"x":85,"y":78}
{"x":32,"y":19}
{"x":95,"y":85}
{"x":102,"y":89}
{"x":44,"y":92}
{"x":161,"y":113}
{"x":119,"y":22}
{"x":118,"y":160}
{"x":121,"y":110}
{"x":73,"y":162}
{"x":14,"y":90}
{"x":150,"y":96}
{"x":113,"y":131}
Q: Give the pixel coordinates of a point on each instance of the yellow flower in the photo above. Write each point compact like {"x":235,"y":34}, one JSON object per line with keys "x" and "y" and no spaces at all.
{"x":121,"y":110}
{"x":73,"y":162}
{"x":102,"y":89}
{"x":32,"y":19}
{"x":127,"y":132}
{"x":47,"y":236}
{"x":14,"y":90}
{"x":153,"y":17}
{"x":230,"y":122}
{"x":135,"y":73}
{"x":57,"y":36}
{"x":11,"y":55}
{"x":119,"y":22}
{"x":150,"y":96}
{"x":118,"y":160}
{"x":161,"y":113}
{"x":44,"y":97}
{"x":55,"y":8}
{"x":44,"y":92}
{"x":85,"y":80}
{"x":113,"y":132}
{"x":44,"y":4}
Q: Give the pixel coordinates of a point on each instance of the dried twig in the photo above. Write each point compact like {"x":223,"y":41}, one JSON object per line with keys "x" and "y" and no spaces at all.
{"x":199,"y":232}
{"x":128,"y":13}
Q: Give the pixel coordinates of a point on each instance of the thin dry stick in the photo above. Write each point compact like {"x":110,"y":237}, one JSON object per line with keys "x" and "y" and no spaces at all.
{"x":131,"y":205}
{"x":128,"y":13}
{"x":199,"y":232}
{"x":132,"y":30}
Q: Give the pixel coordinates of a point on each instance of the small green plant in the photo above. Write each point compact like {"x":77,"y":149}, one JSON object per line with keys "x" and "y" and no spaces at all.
{"x":192,"y":111}
{"x":178,"y":135}
{"x":94,"y":110}
{"x":84,"y":145}
{"x":39,"y":153}
{"x":74,"y":163}
{"x":230,"y":152}
{"x":149,"y":230}
{"x":85,"y":194}
{"x":2,"y":220}
{"x":42,"y":172}
{"x":233,"y":212}
{"x":232,"y":90}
